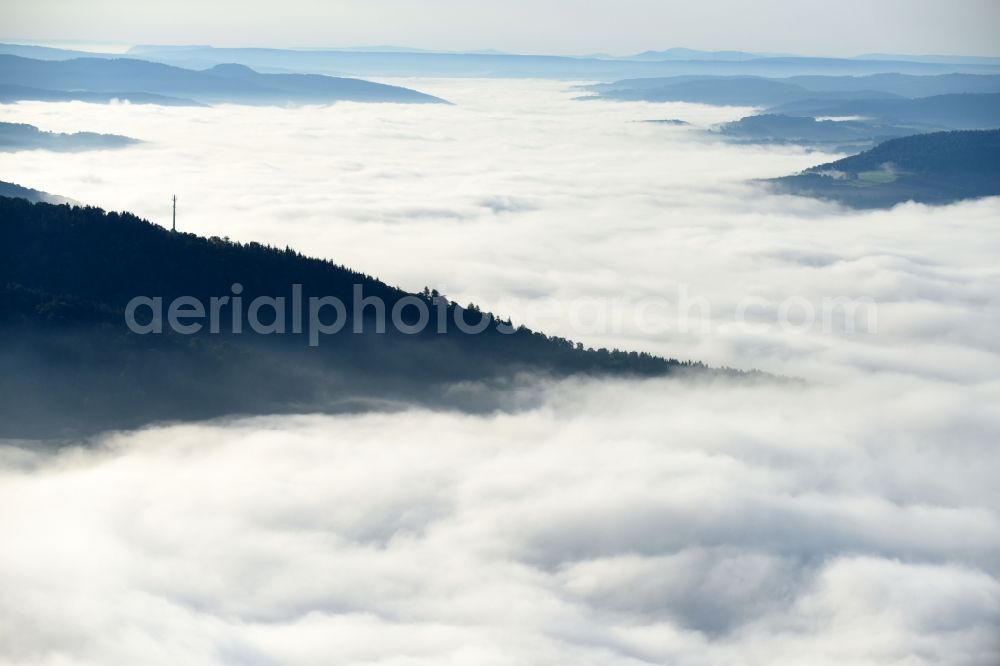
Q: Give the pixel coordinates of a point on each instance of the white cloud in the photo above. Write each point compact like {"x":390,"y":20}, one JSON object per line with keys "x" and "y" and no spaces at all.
{"x":850,"y":519}
{"x":615,"y":523}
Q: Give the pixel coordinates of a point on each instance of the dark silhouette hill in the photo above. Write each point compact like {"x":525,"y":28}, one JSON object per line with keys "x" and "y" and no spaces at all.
{"x":69,"y":363}
{"x":220,"y":84}
{"x":935,"y":168}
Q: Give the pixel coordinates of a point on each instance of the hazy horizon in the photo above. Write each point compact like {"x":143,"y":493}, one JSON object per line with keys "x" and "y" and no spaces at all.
{"x":124,"y":47}
{"x":845,"y":29}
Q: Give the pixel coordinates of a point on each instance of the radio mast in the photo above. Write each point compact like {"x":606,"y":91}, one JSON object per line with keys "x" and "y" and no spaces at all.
{"x":174,"y":226}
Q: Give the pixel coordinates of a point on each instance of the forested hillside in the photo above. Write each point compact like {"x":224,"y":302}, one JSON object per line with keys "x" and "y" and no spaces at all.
{"x":69,"y":362}
{"x":936,"y":168}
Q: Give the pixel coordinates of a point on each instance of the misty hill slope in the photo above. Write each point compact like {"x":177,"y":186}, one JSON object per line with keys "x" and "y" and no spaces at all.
{"x":68,"y":363}
{"x":904,"y":85}
{"x":953,"y":111}
{"x":14,"y":190}
{"x":936,"y":168}
{"x":773,"y":92}
{"x":842,"y":136}
{"x":9,"y":94}
{"x":221,"y":84}
{"x":21,"y":136}
{"x":722,"y":91}
{"x":869,"y":109}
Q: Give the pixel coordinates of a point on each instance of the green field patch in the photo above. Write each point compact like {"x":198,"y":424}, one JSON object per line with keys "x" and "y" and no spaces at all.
{"x":878,"y":177}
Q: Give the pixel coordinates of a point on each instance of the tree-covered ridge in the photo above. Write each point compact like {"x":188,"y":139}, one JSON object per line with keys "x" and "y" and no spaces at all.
{"x":960,"y":154}
{"x":70,"y":363}
{"x":935,"y":168}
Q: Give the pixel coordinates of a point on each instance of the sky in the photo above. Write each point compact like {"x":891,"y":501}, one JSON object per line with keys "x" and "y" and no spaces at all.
{"x":618,"y":27}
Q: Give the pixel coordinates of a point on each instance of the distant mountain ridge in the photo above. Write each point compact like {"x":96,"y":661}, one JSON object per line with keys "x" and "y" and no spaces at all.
{"x":954,"y":111}
{"x":404,"y":62}
{"x":679,"y":53}
{"x":771,"y":92}
{"x":941,"y":58}
{"x":227,"y":83}
{"x":799,"y":108}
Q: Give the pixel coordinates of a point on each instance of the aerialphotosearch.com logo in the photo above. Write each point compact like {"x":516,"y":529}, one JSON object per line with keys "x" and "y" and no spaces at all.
{"x":410,"y":314}
{"x":322,"y":315}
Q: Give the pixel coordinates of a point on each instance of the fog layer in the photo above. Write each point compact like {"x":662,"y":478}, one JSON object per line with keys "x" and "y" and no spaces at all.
{"x":851,"y":518}
{"x":618,"y":523}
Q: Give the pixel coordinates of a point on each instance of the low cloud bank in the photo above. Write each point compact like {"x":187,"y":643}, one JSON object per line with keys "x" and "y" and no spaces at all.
{"x":850,"y":519}
{"x":616,"y":523}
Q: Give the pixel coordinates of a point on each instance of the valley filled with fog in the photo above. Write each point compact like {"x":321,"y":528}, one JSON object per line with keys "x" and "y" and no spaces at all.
{"x":848,"y":515}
